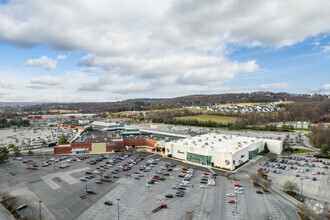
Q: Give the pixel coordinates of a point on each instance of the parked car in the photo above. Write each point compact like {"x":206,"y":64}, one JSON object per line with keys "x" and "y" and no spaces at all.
{"x":91,"y":192}
{"x":231,"y":201}
{"x":259,"y":192}
{"x":21,"y":207}
{"x":169,"y":195}
{"x":107,"y":203}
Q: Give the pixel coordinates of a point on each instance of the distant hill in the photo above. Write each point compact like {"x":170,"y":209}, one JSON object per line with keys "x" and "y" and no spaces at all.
{"x":149,"y":104}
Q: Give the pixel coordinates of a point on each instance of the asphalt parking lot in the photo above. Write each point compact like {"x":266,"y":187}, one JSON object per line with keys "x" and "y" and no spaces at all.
{"x":64,"y":196}
{"x":31,"y":135}
{"x":137,"y":202}
{"x":319,"y":189}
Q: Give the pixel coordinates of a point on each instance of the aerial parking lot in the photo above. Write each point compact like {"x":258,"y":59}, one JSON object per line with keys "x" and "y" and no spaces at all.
{"x":74,"y":191}
{"x":311,"y":175}
{"x":32,"y":136}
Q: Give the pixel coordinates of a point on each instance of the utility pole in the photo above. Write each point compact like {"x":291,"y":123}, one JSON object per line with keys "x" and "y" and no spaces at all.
{"x":148,"y":180}
{"x":118,"y":207}
{"x":301,"y":180}
{"x":40,"y":210}
{"x":54,"y":157}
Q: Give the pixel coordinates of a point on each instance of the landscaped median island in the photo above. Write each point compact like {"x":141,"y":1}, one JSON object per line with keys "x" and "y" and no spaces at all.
{"x":260,"y":179}
{"x":302,"y":150}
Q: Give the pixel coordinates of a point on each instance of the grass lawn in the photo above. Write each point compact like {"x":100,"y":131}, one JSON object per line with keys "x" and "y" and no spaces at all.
{"x":302,"y":150}
{"x":215,"y":118}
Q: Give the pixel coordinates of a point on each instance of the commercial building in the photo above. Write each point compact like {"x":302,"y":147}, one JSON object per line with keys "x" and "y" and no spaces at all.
{"x":218,"y":150}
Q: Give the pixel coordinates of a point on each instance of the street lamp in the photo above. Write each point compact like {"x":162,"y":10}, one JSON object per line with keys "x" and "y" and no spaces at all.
{"x":86,"y":185}
{"x":118,"y":207}
{"x":40,"y":210}
{"x":301,"y":180}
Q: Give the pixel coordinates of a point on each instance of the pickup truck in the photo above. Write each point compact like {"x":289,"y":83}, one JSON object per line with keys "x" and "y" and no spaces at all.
{"x":163,"y":206}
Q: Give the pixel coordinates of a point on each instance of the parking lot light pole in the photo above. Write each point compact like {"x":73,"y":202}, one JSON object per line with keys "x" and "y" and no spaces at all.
{"x":118,"y":207}
{"x":40,"y":210}
{"x":301,"y":180}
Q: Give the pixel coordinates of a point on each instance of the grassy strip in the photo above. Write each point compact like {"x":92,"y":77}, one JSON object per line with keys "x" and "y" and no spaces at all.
{"x":215,"y":118}
{"x":302,"y":150}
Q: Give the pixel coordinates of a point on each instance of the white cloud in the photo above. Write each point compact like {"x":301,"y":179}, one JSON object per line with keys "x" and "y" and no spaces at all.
{"x":46,"y":82}
{"x":44,"y":62}
{"x":280,"y":85}
{"x":61,"y":57}
{"x":322,"y":89}
{"x":182,"y":45}
{"x":326,"y":48}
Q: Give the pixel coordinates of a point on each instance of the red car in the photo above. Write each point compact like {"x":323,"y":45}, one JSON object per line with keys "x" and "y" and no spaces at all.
{"x":206,"y":173}
{"x":237,"y":185}
{"x":231,"y":201}
{"x":35,"y":165}
{"x":318,"y":173}
{"x":184,"y":169}
{"x":44,"y":165}
{"x":153,"y":180}
{"x":186,"y":179}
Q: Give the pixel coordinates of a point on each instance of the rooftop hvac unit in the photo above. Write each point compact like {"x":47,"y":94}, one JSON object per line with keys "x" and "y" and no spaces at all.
{"x":245,"y":142}
{"x":203,"y":146}
{"x":252,"y":140}
{"x":206,"y":143}
{"x":214,"y":136}
{"x":206,"y":138}
{"x":200,"y":140}
{"x":219,"y":139}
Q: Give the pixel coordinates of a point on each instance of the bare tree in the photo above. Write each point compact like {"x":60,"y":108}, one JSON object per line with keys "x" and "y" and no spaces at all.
{"x":305,"y":210}
{"x":290,"y":186}
{"x":270,"y":155}
{"x":255,"y":177}
{"x":266,"y":184}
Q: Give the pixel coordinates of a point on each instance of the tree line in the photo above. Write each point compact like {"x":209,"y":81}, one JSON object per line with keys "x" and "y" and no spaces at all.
{"x":320,"y":136}
{"x":17,"y":121}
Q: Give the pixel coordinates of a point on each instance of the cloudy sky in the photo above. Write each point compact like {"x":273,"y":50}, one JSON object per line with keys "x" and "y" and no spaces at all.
{"x":101,"y":50}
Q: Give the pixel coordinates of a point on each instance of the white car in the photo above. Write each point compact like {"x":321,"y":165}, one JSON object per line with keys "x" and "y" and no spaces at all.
{"x":96,"y":171}
{"x":238,"y":188}
{"x":238,"y":192}
{"x":19,"y":158}
{"x":230,"y":194}
{"x":203,"y":186}
{"x":211,"y":183}
{"x":78,"y":160}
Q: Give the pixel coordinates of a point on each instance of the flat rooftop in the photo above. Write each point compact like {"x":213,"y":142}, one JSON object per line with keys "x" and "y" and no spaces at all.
{"x":97,"y":136}
{"x":218,"y":142}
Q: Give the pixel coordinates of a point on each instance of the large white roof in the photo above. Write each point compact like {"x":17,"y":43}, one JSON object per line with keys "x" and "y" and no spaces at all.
{"x":218,"y":142}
